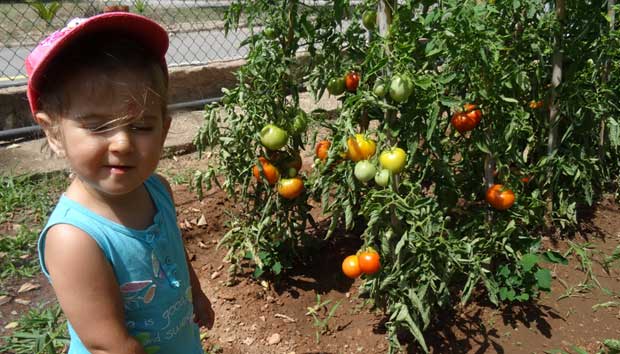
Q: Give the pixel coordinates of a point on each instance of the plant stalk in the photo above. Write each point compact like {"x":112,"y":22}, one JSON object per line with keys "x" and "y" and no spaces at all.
{"x":554,"y":109}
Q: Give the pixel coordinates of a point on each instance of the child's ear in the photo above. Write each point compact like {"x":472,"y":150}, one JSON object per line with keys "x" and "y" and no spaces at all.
{"x":167,"y":122}
{"x":53,"y":140}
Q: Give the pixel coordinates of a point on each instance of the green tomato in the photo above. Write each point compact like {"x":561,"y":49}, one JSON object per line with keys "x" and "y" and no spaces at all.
{"x":401,"y":88}
{"x":379,"y":89}
{"x":393,"y":159}
{"x":273,"y":137}
{"x":364,"y":171}
{"x":335,"y":86}
{"x":270,"y":33}
{"x":382,"y":177}
{"x":369,"y":19}
{"x":291,"y":172}
{"x":300,"y":124}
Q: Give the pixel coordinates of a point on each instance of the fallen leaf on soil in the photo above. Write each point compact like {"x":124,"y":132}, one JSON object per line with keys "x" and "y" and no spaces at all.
{"x":28,"y":287}
{"x":22,"y":301}
{"x":248,"y":341}
{"x":202,"y":244}
{"x":4,"y":299}
{"x":11,"y":325}
{"x":215,"y":275}
{"x":285,"y":317}
{"x":226,"y":297}
{"x":202,"y":221}
{"x":274,"y":339}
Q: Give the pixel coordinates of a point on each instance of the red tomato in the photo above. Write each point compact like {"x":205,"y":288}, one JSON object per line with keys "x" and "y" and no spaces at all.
{"x":472,"y":112}
{"x":462,"y":122}
{"x":351,"y":267}
{"x":500,"y":197}
{"x":352,"y":81}
{"x":369,"y":262}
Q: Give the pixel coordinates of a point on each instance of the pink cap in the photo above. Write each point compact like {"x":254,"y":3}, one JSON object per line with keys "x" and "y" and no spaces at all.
{"x":142,"y":29}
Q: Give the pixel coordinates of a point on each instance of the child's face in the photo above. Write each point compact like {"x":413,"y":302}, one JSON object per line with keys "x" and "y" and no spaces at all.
{"x":117,"y":158}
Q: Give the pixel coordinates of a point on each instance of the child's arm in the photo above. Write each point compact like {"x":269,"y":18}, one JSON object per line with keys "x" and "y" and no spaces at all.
{"x":203,"y":312}
{"x":87,"y":291}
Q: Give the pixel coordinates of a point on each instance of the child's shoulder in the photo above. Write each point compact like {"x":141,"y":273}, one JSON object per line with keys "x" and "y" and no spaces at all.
{"x":164,"y":182}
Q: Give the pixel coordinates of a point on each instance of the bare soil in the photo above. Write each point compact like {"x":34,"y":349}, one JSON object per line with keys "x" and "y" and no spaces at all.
{"x":259,"y":317}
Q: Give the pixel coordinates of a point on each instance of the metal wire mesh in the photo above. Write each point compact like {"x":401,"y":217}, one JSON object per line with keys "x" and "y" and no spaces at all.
{"x":196,"y":29}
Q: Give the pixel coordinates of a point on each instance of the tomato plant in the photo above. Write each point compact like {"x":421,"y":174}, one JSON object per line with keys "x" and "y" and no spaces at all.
{"x":430,"y":68}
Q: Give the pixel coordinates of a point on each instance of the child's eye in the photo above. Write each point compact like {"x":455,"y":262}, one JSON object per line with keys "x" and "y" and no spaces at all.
{"x":96,"y":128}
{"x":142,"y":128}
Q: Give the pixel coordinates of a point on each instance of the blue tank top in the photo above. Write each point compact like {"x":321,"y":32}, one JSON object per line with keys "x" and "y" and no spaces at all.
{"x":150,"y":267}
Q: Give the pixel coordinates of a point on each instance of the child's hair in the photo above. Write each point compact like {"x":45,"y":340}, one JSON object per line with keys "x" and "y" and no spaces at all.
{"x":101,"y":54}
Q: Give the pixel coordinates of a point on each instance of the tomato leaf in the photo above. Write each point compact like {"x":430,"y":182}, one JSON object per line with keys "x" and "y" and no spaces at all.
{"x":482,"y":147}
{"x":554,"y":257}
{"x":508,"y":99}
{"x":424,"y":82}
{"x":543,"y":279}
{"x":528,"y":261}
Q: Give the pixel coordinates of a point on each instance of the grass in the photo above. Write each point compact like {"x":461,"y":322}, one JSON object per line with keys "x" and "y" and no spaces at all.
{"x":25,"y":202}
{"x":39,"y":331}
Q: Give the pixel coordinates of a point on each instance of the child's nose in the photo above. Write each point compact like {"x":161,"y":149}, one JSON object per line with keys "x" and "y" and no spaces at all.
{"x":120,"y":141}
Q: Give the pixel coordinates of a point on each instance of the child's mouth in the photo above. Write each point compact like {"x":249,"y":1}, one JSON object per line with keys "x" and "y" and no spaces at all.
{"x":119,"y":170}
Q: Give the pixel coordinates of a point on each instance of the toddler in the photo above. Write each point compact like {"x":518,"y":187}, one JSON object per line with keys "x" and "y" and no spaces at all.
{"x":111,"y":248}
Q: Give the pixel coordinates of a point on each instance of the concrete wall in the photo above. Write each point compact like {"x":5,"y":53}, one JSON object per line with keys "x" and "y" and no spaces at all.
{"x":186,"y":84}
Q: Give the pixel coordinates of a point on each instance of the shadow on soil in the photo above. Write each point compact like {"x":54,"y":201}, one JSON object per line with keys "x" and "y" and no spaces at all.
{"x":469,"y":332}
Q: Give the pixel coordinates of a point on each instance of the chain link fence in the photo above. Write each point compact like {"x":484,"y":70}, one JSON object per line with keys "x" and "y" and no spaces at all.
{"x":196,"y":29}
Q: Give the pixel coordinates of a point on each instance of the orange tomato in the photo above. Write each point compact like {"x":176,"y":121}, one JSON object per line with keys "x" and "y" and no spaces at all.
{"x":360,"y":148}
{"x":535,"y":104}
{"x":270,"y":172}
{"x":290,"y":188}
{"x":351,"y":267}
{"x":500,"y":197}
{"x":369,"y":262}
{"x":322,"y":148}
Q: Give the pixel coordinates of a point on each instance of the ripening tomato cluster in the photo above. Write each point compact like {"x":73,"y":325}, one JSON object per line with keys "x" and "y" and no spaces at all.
{"x":279,"y":167}
{"x":360,"y":149}
{"x":366,"y":262}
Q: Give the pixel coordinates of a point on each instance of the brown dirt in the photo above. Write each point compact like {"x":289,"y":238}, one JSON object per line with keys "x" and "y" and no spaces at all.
{"x":249,"y":314}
